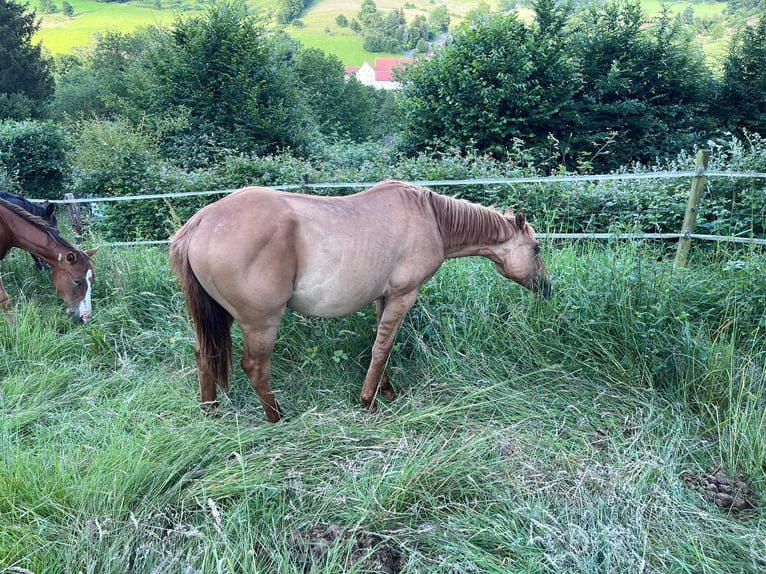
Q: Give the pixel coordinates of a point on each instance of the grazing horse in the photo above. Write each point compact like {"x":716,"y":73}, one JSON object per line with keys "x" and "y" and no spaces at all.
{"x":72,"y":273}
{"x":45,"y":210}
{"x":249,"y":256}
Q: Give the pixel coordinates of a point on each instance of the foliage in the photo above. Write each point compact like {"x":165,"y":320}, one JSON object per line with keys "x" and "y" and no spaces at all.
{"x":598,"y":85}
{"x":34,"y":156}
{"x":289,"y":10}
{"x":390,"y":31}
{"x":26,"y":80}
{"x":109,"y":79}
{"x":497,"y":81}
{"x":741,"y":103}
{"x":218,"y":77}
{"x":644,"y":91}
{"x":111,"y":159}
{"x":122,"y":163}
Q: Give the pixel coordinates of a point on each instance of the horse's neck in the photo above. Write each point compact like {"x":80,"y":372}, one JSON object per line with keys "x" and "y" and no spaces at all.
{"x":31,"y":239}
{"x":468,"y":229}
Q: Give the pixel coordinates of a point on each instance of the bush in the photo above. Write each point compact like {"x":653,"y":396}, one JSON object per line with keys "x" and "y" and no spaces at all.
{"x":111,"y":159}
{"x":34,"y":156}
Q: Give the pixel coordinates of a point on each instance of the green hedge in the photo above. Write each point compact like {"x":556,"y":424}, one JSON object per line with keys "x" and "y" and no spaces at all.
{"x":33,"y":158}
{"x":114,"y":160}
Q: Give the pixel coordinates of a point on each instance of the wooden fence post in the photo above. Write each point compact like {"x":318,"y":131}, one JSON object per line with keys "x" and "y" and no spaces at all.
{"x":74,"y":216}
{"x":692,"y":206}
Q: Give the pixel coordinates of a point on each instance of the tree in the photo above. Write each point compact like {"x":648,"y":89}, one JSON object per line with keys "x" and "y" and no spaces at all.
{"x":642,"y":90}
{"x":26,"y":77}
{"x":111,"y":79}
{"x":498,"y":80}
{"x":741,"y":101}
{"x":439,"y":19}
{"x":368,"y":13}
{"x":218,"y":77}
{"x":322,"y":80}
{"x":47,"y":6}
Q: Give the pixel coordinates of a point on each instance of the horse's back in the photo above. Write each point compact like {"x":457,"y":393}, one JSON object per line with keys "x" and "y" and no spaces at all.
{"x":319,"y":255}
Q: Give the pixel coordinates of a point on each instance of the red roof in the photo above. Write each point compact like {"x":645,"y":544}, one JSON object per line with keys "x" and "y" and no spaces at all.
{"x":384,"y":67}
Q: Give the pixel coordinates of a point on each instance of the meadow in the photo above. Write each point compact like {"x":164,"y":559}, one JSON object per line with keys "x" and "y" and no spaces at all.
{"x":317,"y":28}
{"x":594,"y":432}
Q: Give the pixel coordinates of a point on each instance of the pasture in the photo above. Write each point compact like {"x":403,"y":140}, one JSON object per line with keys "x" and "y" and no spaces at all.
{"x":588,"y":433}
{"x":62,"y":34}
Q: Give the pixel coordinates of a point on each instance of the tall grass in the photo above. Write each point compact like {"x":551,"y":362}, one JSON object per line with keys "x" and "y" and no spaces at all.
{"x":528,"y":435}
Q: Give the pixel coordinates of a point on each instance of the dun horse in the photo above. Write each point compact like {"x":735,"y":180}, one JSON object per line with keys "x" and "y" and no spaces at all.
{"x":249,"y":256}
{"x":72,"y":273}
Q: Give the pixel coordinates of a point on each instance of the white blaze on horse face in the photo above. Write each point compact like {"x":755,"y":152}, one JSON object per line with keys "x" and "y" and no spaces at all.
{"x":84,"y":308}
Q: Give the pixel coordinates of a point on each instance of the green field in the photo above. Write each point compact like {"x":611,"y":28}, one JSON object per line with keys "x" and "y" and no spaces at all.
{"x":61,"y":34}
{"x":570,"y":435}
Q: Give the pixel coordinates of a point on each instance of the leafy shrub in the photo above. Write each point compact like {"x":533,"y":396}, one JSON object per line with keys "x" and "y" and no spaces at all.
{"x":111,"y":160}
{"x":34,"y":155}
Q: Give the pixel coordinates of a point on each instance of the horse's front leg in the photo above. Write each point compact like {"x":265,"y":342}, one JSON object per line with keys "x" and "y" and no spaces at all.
{"x":391,"y":313}
{"x":5,"y":303}
{"x":256,"y":362}
{"x":385,"y":388}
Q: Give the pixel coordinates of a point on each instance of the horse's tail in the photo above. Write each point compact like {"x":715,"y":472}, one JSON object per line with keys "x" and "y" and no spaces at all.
{"x":212,"y":323}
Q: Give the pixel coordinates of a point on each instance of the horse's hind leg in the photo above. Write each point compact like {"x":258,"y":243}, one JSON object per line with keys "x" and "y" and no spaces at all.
{"x":208,"y":391}
{"x":256,"y":362}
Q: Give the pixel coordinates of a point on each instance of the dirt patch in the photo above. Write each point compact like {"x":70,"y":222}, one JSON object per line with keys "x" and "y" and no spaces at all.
{"x":366,"y":551}
{"x":719,"y":489}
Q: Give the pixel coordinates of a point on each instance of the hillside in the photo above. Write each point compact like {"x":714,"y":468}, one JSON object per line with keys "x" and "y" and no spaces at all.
{"x":317,"y":27}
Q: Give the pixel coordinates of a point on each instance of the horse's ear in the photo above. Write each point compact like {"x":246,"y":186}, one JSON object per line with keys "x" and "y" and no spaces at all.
{"x":92,"y":252}
{"x":509,"y":212}
{"x":521,"y":218}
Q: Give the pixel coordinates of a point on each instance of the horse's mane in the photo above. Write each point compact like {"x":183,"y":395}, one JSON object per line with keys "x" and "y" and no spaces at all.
{"x":37,"y":222}
{"x":32,"y":208}
{"x":462,"y":222}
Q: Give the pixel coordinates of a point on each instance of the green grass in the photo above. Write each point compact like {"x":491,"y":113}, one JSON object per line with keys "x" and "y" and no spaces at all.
{"x":528,"y":436}
{"x":61,"y":34}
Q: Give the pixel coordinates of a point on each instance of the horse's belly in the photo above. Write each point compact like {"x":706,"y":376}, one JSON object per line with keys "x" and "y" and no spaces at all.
{"x":333,"y":299}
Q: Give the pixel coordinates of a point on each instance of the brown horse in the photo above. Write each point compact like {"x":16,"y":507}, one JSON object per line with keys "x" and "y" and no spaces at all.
{"x":72,"y":273}
{"x":258,"y":251}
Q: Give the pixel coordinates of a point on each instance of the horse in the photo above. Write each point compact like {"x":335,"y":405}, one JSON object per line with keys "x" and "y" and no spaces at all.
{"x":72,"y":273}
{"x":46,"y":210}
{"x":258,"y":251}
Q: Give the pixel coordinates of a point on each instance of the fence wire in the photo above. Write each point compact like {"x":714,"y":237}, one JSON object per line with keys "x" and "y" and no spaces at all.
{"x":459,"y":182}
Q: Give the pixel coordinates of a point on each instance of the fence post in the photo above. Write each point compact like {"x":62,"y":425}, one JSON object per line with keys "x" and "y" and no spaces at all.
{"x":74,"y":215}
{"x":692,"y":206}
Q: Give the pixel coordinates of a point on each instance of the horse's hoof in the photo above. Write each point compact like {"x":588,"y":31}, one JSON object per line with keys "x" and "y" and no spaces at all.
{"x":210,"y":408}
{"x":387,"y":394}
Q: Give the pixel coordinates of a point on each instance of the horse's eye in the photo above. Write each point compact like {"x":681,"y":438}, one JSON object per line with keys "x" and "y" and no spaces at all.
{"x":77,"y":282}
{"x":536,"y":248}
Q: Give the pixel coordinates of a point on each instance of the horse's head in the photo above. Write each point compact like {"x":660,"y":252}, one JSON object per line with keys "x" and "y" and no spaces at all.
{"x":73,"y":277}
{"x":519,"y":259}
